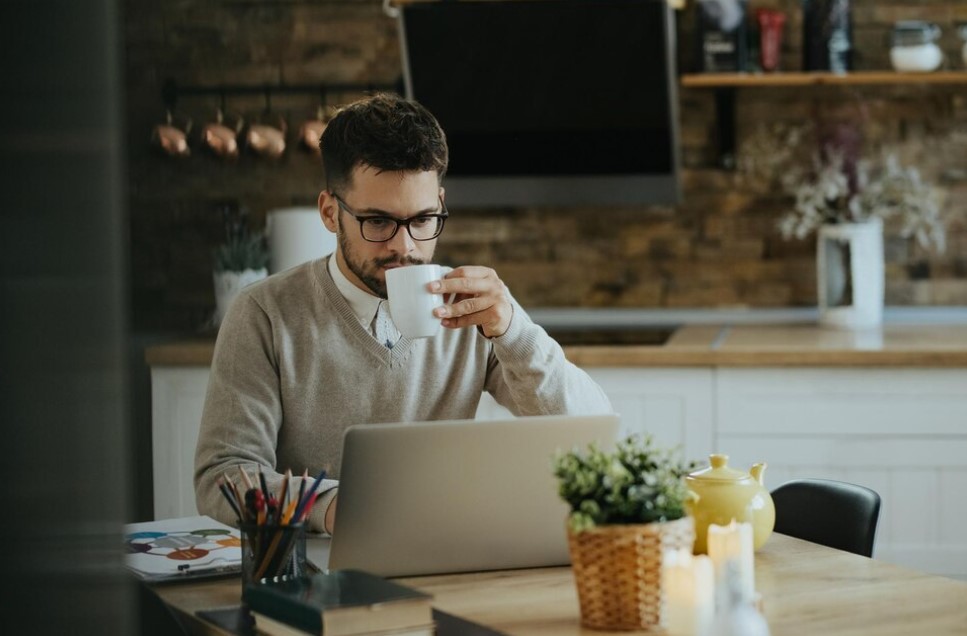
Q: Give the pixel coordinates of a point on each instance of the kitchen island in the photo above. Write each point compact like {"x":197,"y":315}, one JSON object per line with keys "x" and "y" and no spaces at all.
{"x":884,"y":408}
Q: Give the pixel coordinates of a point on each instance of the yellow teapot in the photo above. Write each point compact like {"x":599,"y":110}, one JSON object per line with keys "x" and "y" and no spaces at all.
{"x":723,"y":493}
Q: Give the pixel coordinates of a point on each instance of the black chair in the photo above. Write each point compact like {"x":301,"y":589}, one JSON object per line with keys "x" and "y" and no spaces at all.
{"x":832,"y":513}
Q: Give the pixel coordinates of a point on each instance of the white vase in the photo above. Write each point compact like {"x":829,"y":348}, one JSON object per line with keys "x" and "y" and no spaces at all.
{"x":296,"y":235}
{"x":227,"y":286}
{"x":849,"y":275}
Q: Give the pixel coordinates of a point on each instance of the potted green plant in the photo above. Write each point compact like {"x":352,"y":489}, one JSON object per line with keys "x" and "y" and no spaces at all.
{"x":241,"y":260}
{"x":627,"y":507}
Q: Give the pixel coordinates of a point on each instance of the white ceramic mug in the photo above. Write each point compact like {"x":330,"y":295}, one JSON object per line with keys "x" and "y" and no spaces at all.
{"x":411,"y":305}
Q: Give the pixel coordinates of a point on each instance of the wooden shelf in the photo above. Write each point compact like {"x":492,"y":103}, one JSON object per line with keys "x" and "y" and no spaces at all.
{"x":754,"y":80}
{"x":725,"y":85}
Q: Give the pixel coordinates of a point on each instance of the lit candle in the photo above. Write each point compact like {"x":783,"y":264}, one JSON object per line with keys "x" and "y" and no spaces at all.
{"x":688,"y":593}
{"x":733,"y":543}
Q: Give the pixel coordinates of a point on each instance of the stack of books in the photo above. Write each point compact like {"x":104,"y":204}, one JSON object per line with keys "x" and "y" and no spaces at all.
{"x":339,"y":603}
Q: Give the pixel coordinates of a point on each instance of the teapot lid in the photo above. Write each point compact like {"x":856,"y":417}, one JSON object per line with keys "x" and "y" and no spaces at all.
{"x":719,"y":470}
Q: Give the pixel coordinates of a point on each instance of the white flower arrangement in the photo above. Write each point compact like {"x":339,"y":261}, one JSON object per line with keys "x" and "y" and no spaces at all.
{"x":899,"y":192}
{"x":887,"y":190}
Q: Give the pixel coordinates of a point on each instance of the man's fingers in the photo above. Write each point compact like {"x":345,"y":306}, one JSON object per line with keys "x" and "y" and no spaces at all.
{"x":463,"y":286}
{"x":481,"y":299}
{"x":471,"y":271}
{"x":468,"y":306}
{"x":463,"y":308}
{"x":466,"y":279}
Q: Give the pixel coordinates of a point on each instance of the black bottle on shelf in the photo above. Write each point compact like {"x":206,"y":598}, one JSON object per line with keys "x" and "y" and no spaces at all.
{"x":721,"y":36}
{"x":827,"y":36}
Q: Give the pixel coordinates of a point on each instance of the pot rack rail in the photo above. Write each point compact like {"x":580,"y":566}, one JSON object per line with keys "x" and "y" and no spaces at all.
{"x":171,"y":91}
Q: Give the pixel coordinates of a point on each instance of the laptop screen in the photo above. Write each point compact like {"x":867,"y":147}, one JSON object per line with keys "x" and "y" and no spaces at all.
{"x":457,"y":496}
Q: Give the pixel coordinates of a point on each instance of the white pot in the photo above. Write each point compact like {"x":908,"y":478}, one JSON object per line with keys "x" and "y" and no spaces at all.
{"x":849,"y":275}
{"x":227,"y":286}
{"x":921,"y":58}
{"x":296,"y":235}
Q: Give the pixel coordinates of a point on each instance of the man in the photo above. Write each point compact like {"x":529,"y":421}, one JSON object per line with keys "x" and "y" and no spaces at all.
{"x":298,"y":360}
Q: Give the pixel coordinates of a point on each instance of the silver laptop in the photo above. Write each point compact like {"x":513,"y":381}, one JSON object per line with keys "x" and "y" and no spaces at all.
{"x":458,"y":495}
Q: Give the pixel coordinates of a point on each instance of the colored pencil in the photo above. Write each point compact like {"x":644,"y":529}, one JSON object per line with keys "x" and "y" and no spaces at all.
{"x":245,"y":479}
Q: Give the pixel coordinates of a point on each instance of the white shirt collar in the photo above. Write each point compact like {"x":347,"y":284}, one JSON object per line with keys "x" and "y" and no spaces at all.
{"x":363,"y":304}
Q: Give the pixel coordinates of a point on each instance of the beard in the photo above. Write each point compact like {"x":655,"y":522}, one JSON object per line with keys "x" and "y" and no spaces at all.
{"x":367,"y":271}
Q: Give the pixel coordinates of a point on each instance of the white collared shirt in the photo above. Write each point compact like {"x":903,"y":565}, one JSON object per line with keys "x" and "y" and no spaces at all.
{"x":363,"y":304}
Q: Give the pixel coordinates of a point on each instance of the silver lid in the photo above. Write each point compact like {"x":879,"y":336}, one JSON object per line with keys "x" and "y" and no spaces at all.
{"x":914,"y":32}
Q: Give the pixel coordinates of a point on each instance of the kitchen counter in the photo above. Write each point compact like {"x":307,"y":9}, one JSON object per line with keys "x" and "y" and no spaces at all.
{"x":740,"y":345}
{"x":795,"y":345}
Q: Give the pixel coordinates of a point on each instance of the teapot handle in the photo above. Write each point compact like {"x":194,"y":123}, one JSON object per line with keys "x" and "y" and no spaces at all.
{"x":757,"y":470}
{"x":691,"y":498}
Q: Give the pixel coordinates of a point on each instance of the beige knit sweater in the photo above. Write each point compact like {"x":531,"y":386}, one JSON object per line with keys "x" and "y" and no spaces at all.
{"x":293,"y":368}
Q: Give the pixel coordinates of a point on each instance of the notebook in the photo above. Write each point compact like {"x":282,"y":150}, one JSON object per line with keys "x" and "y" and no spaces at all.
{"x":189,"y":547}
{"x":457,"y":495}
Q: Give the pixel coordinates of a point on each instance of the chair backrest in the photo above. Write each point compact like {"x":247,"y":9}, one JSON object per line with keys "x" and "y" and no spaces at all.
{"x":832,"y":513}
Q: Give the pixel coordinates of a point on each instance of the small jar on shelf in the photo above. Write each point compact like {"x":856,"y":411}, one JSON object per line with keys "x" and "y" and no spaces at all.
{"x":915,"y":47}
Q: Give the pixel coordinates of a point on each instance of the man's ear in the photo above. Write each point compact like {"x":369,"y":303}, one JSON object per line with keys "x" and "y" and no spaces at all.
{"x":328,"y":210}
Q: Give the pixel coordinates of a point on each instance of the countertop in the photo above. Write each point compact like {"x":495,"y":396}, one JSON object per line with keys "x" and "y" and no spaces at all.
{"x":789,"y":345}
{"x":753,"y":344}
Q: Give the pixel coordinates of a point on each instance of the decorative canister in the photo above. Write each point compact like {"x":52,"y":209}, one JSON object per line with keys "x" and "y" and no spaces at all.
{"x":915,"y":47}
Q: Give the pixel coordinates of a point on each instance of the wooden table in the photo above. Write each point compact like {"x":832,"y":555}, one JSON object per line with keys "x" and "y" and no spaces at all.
{"x":807,"y":590}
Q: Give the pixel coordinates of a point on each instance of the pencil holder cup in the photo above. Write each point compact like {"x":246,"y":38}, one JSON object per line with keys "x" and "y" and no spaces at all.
{"x":272,"y":552}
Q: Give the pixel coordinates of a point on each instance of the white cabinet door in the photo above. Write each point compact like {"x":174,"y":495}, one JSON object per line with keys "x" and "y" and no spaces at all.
{"x":673,"y":404}
{"x":901,"y":432}
{"x":177,"y":399}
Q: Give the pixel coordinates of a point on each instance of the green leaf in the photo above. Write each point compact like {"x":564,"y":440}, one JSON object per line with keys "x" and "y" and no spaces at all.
{"x":242,"y":251}
{"x":636,"y":483}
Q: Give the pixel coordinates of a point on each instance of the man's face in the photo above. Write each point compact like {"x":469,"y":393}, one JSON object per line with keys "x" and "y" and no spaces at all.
{"x":393,"y":194}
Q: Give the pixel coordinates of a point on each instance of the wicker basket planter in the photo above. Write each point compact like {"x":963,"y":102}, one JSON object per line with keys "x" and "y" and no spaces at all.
{"x":617,"y":571}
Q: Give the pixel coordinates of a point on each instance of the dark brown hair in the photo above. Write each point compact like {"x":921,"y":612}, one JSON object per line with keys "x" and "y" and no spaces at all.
{"x":386,"y":132}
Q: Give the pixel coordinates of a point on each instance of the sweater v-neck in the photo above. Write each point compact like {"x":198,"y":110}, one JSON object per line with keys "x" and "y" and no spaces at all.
{"x":391,"y":357}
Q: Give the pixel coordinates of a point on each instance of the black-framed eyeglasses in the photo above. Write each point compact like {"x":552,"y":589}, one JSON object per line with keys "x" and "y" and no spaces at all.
{"x":380,"y":228}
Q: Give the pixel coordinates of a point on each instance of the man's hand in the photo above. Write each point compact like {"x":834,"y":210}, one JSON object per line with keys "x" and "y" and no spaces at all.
{"x":481,"y":299}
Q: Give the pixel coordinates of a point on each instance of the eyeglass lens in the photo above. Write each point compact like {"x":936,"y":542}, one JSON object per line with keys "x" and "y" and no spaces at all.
{"x":421,"y":228}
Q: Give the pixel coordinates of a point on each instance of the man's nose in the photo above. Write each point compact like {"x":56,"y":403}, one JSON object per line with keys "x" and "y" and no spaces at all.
{"x":402,"y":243}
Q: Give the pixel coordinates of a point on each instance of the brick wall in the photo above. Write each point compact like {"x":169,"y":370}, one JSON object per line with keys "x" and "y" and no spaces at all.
{"x":719,"y":248}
